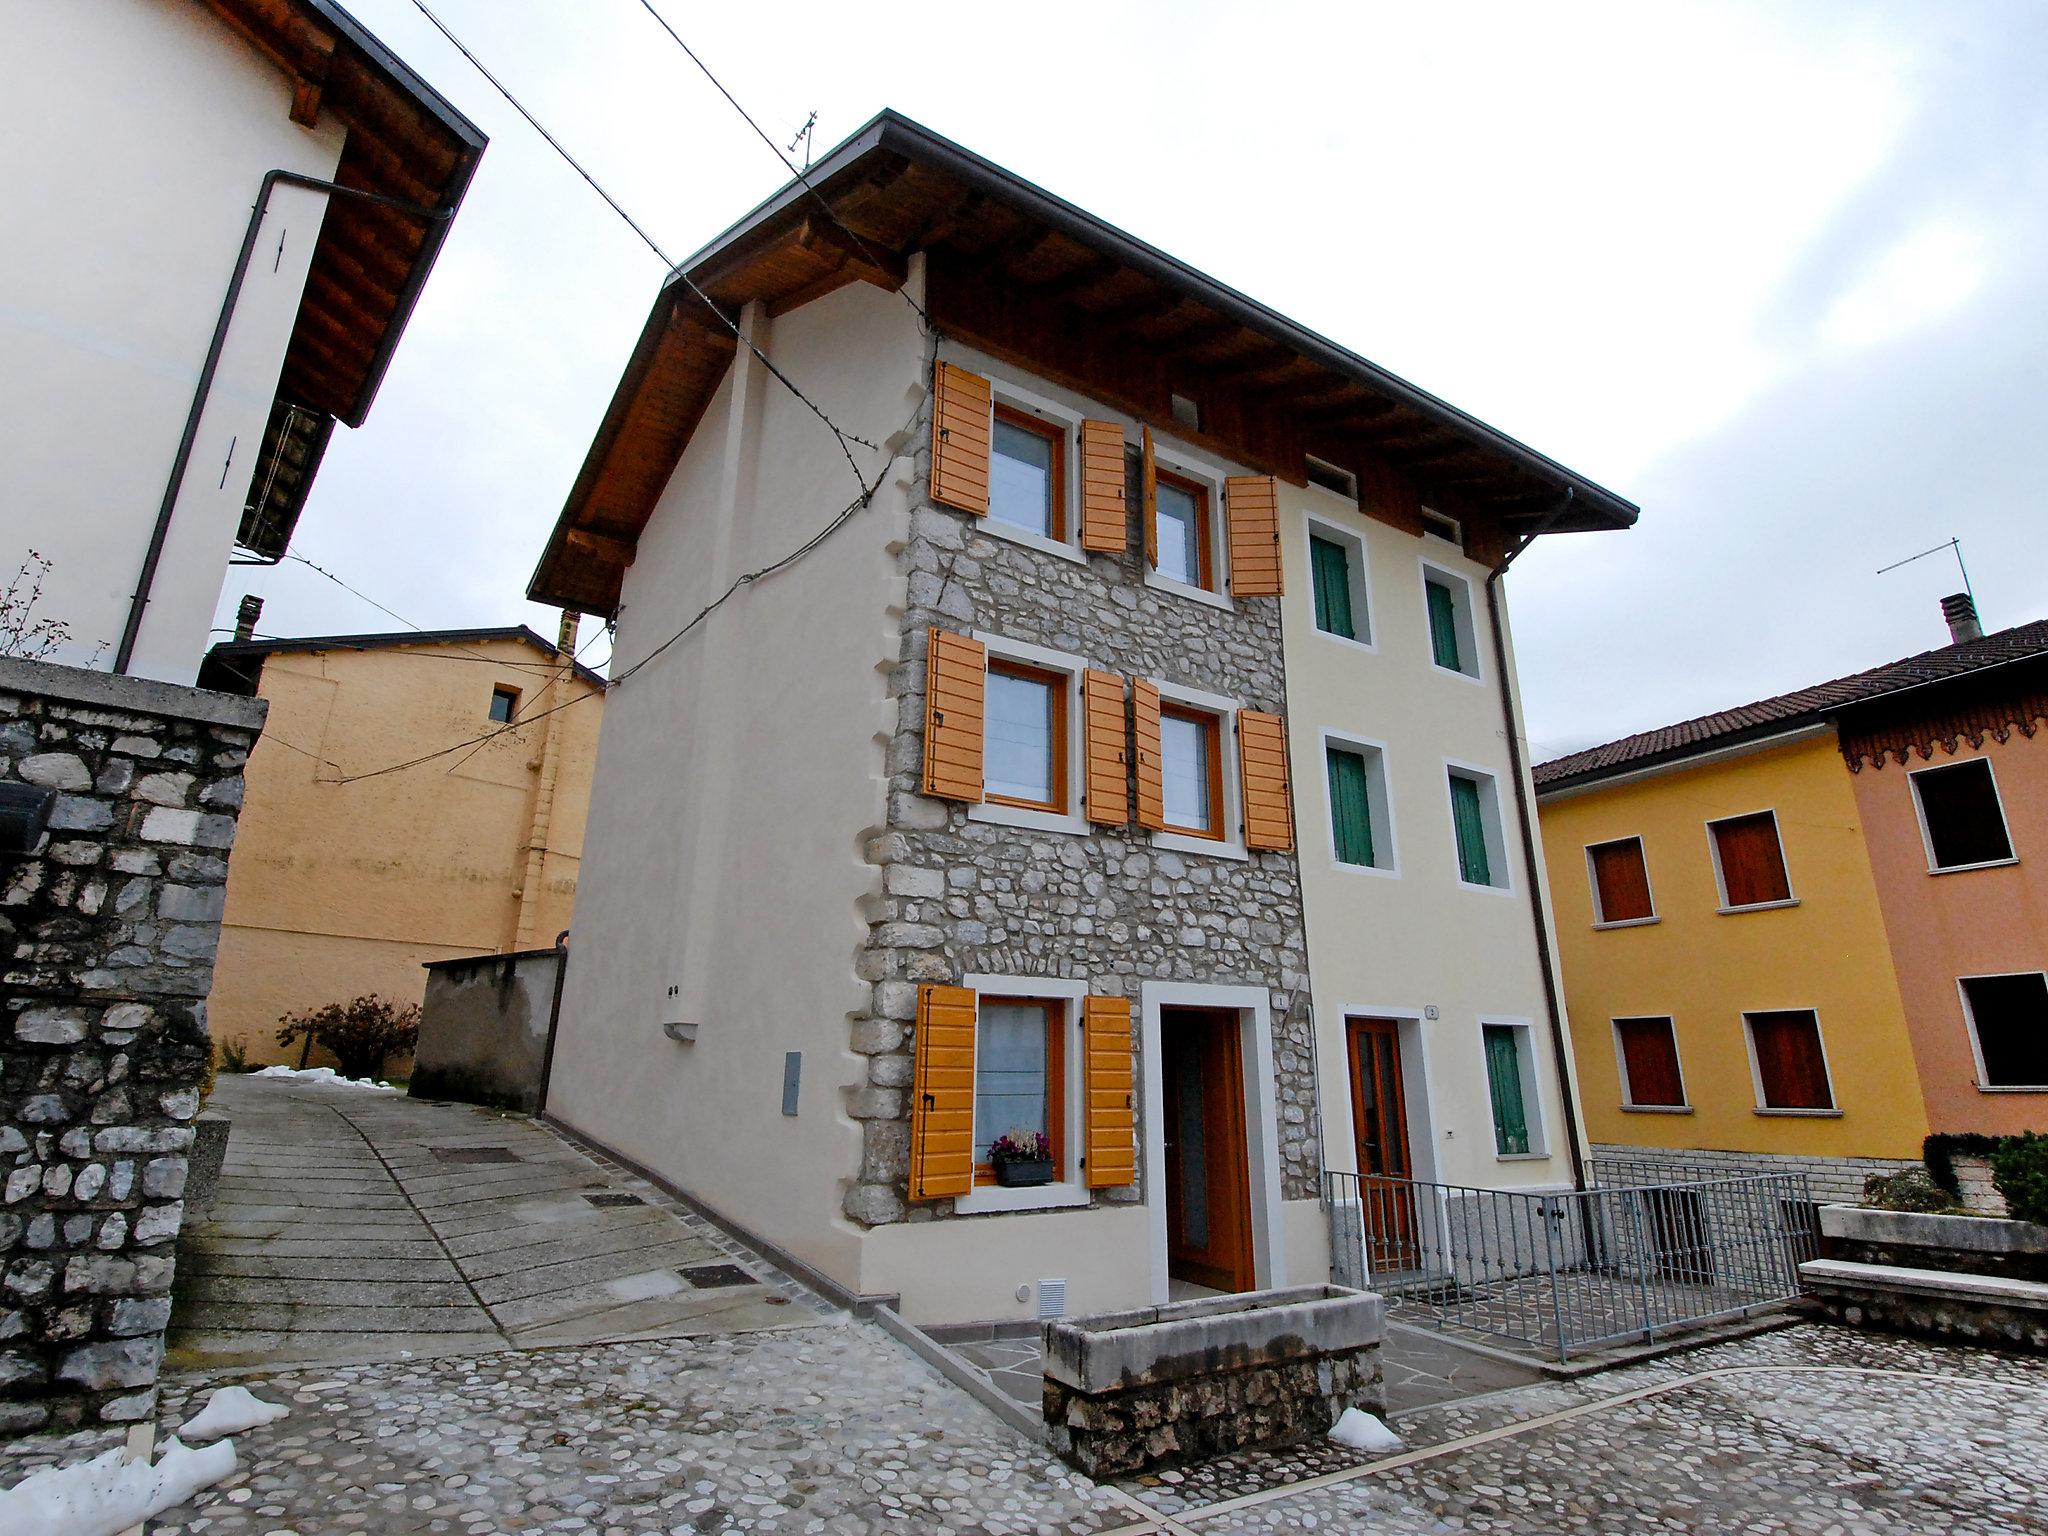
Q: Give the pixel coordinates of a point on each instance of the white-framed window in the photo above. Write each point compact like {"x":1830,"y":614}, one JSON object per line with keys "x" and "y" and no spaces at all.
{"x":1788,"y":1062}
{"x":1619,"y":874}
{"x":1749,"y":862}
{"x":1194,"y":553}
{"x":1031,"y":737}
{"x":1508,"y":1049}
{"x":1027,"y":1060}
{"x":1360,"y":808}
{"x":1962,"y":821}
{"x":1453,"y":633}
{"x":1339,"y":593}
{"x":1646,"y":1052}
{"x":2008,"y":1020}
{"x":1198,"y":771}
{"x":1034,"y":471}
{"x":1331,"y":477}
{"x":1437,"y":526}
{"x":1478,"y":837}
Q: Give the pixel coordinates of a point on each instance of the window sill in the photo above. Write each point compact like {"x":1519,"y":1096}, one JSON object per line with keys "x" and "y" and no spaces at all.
{"x":1627,"y":922}
{"x":1382,"y":871}
{"x":1806,"y":1114}
{"x":1058,"y":548}
{"x":1656,"y":1109}
{"x":2009,"y":1088}
{"x":1032,"y":821}
{"x":989,"y":1198}
{"x":1761,"y":906}
{"x":1205,"y":847}
{"x":1348,"y":642}
{"x":1521,"y":1157}
{"x":1964,"y":869}
{"x":1491,"y":890}
{"x":1159,"y":583}
{"x":1470,"y":677}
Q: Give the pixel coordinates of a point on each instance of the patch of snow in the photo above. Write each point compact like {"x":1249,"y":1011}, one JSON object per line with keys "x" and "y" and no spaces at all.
{"x":323,"y":1075}
{"x":108,"y":1494}
{"x":228,"y":1412}
{"x":1362,"y":1432}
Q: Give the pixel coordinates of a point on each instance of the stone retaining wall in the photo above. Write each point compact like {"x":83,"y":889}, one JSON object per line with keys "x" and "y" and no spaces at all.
{"x":1831,"y":1178}
{"x":109,"y":927}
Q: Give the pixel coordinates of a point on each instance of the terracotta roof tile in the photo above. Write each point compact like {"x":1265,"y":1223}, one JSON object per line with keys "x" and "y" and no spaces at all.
{"x":1802,"y":706}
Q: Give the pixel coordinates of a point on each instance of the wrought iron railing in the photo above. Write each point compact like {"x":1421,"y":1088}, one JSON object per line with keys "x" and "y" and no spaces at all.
{"x":1562,"y":1272}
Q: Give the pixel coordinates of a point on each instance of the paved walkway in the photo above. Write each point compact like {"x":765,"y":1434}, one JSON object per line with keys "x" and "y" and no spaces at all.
{"x":352,"y":1225}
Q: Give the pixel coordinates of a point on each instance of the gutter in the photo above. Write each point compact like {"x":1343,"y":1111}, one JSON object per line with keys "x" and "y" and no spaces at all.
{"x":1525,"y":817}
{"x":437,"y":220}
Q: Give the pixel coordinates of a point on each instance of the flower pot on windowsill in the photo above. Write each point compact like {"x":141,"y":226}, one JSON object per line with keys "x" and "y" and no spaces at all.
{"x":1023,"y":1173}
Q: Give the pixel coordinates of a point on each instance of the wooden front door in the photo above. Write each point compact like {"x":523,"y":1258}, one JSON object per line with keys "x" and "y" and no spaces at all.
{"x":1379,"y":1115}
{"x":1208,"y":1181}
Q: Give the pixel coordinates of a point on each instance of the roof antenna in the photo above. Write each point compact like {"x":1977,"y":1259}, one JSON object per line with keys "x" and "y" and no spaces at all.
{"x":1961,"y":609}
{"x":1954,"y":544}
{"x":803,"y":137}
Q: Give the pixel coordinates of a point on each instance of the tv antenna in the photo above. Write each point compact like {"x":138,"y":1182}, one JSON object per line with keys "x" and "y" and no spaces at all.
{"x":803,"y":137}
{"x":1952,"y":544}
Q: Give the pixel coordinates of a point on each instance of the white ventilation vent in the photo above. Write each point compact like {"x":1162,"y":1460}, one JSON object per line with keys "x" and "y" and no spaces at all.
{"x":1052,"y":1298}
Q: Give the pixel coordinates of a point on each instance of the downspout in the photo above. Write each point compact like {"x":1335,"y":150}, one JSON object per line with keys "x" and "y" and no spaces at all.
{"x":173,"y":486}
{"x":1525,"y":816}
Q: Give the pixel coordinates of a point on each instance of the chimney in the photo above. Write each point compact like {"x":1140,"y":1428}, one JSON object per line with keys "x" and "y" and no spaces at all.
{"x":247,"y":615}
{"x":565,"y":637}
{"x":1961,"y":613}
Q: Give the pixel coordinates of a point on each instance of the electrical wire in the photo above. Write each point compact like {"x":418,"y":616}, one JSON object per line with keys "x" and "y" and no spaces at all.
{"x":802,"y":177}
{"x":846,"y":439}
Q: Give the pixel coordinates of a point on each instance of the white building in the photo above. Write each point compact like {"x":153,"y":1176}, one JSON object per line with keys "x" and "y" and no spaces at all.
{"x":1002,"y":808}
{"x":186,"y":305}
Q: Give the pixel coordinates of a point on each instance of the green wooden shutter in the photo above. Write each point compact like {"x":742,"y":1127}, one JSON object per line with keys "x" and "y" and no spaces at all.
{"x":1504,"y":1082}
{"x":1332,"y":573}
{"x":1350,"y":810}
{"x":1470,"y":825}
{"x":1443,"y":626}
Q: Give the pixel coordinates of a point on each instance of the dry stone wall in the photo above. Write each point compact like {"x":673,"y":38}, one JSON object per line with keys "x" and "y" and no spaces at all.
{"x":961,"y":896}
{"x":109,"y":924}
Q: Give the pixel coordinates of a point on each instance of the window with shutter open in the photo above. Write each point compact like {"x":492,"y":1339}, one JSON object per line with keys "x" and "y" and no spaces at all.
{"x":1621,"y":882}
{"x":1262,"y":771}
{"x":1649,"y":1064}
{"x":1105,"y":734}
{"x":1109,"y":1092}
{"x":954,"y":706}
{"x":1105,"y":521}
{"x":1251,"y":505}
{"x":1960,"y":810}
{"x":1751,"y":861}
{"x":2009,"y":1017}
{"x":962,"y":423}
{"x":942,"y":1094}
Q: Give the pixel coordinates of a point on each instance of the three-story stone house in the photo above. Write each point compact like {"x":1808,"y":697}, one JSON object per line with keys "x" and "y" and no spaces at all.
{"x":949,"y":794}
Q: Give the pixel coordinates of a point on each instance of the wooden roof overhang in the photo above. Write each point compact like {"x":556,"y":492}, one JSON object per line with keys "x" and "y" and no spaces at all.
{"x":1032,"y":279}
{"x":405,"y":142}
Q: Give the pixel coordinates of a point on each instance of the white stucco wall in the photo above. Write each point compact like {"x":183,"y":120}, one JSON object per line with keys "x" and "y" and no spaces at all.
{"x":1400,"y":944}
{"x":739,"y":777}
{"x":134,"y":135}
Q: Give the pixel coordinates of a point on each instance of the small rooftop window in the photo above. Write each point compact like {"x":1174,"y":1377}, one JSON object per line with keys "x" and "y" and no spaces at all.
{"x":1186,"y":413}
{"x":504,"y":704}
{"x":1331,"y":478}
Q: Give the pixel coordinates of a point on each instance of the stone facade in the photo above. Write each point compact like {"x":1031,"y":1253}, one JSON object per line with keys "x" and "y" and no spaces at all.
{"x":961,"y":896}
{"x":1834,"y":1180}
{"x":1989,"y":1313}
{"x":110,"y":925}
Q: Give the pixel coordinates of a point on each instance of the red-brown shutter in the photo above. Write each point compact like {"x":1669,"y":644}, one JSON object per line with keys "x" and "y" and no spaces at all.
{"x":1651,"y":1055}
{"x":1794,"y":1074}
{"x":1251,"y":508}
{"x":1621,"y":880}
{"x":942,"y":1094}
{"x":1752,"y":863}
{"x":1105,"y":520}
{"x":955,"y":685}
{"x":962,"y":429}
{"x":1149,"y":512}
{"x":1145,"y":742}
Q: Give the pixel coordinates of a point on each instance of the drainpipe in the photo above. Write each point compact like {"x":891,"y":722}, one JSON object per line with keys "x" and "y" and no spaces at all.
{"x":173,"y":486}
{"x":1526,"y":817}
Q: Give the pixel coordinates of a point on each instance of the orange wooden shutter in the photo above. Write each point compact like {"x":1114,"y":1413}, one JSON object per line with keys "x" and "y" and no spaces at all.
{"x":1108,"y":1092}
{"x":942,"y":1094}
{"x":1151,"y":507}
{"x":962,"y":413}
{"x":1262,"y":768}
{"x":1151,"y":764}
{"x":1104,"y":525}
{"x":1103,"y":741}
{"x":1251,"y":505}
{"x":955,"y":670}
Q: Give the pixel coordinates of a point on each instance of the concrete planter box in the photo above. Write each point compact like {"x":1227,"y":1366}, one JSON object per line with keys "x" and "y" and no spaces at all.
{"x":1968,"y":1245}
{"x":1159,"y":1386}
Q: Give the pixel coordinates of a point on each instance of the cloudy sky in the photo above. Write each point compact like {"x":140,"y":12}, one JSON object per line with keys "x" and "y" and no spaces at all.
{"x":1778,"y":273}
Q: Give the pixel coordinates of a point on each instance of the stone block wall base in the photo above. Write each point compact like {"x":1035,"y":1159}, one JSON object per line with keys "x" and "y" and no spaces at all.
{"x":1118,"y":1433}
{"x":1954,"y":1321}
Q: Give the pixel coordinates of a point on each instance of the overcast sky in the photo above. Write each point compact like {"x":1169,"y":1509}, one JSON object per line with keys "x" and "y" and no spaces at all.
{"x":1778,"y":273}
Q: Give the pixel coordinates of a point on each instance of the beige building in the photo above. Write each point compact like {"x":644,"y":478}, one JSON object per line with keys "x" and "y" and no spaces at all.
{"x":350,"y":871}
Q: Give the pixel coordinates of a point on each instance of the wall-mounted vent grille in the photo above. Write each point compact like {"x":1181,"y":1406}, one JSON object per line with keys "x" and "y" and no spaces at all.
{"x":1052,"y":1298}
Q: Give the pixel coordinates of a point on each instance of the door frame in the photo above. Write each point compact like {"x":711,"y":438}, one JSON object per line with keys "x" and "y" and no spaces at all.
{"x":1253,"y":1007}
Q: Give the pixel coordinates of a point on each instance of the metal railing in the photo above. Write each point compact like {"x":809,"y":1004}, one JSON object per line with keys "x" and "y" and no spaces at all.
{"x":1562,"y":1272}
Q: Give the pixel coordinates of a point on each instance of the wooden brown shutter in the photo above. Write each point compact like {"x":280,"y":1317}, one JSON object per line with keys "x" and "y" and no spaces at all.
{"x":1650,"y":1052}
{"x":1108,"y":1091}
{"x":1151,"y":761}
{"x":1262,"y":768}
{"x":1150,"y":511}
{"x":942,"y":1094}
{"x":1104,"y":738}
{"x":1752,"y":863}
{"x":1789,"y":1063}
{"x":955,"y":672}
{"x":1622,"y":880}
{"x":1251,"y":507}
{"x":962,"y":413}
{"x":1105,"y":525}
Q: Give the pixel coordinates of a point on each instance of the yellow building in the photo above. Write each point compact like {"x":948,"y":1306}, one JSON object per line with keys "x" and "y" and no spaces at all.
{"x":350,"y":872}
